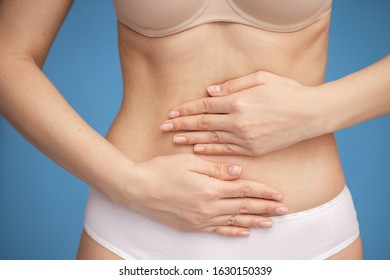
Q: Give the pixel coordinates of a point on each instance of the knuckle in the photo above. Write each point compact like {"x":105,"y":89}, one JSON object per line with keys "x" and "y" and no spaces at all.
{"x":251,"y":146}
{"x":244,"y":127}
{"x":190,"y":226}
{"x":214,"y":137}
{"x":177,"y":124}
{"x":238,"y":125}
{"x":244,"y":207}
{"x":209,"y":194}
{"x":229,"y":232}
{"x":260,"y":76}
{"x":203,"y":212}
{"x":227,"y":149}
{"x":229,"y":86}
{"x":231,"y":221}
{"x":183,"y":109}
{"x":249,"y":136}
{"x":269,"y":209}
{"x":242,"y":124}
{"x":217,"y":170}
{"x":216,"y":229}
{"x":191,"y":139}
{"x":202,"y":123}
{"x":194,"y":222}
{"x":245,"y":190}
{"x":205,"y":105}
{"x":237,"y":104}
{"x":258,"y":151}
{"x":261,"y":192}
{"x":253,"y":223}
{"x":189,"y":222}
{"x":253,"y":149}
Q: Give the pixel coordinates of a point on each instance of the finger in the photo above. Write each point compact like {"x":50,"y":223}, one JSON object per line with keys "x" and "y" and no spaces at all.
{"x":249,"y":189}
{"x":248,"y":221}
{"x":205,"y":105}
{"x":239,"y":84}
{"x":205,"y":137}
{"x":227,"y":231}
{"x":218,"y":170}
{"x":250,"y":206}
{"x":221,"y":149}
{"x":198,"y":122}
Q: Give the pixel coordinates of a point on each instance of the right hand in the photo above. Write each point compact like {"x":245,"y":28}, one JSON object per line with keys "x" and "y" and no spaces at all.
{"x":195,"y":195}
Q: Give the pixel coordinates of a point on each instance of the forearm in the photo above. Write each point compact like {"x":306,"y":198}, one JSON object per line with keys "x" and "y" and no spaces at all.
{"x":358,"y":97}
{"x":32,"y":104}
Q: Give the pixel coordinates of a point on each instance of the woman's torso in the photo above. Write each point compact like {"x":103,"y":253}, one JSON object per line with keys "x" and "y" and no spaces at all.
{"x":162,"y":73}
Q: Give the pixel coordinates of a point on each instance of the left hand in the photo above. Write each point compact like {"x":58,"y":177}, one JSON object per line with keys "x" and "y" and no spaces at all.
{"x":251,"y":115}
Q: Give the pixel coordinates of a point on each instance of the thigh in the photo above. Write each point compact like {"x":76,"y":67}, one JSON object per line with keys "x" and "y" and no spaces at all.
{"x":89,"y":249}
{"x":352,"y":252}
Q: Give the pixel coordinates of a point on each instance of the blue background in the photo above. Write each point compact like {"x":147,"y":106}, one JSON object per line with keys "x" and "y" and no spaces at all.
{"x":42,"y":206}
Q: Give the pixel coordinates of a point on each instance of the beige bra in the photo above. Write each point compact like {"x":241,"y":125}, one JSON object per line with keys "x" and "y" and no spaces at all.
{"x":158,"y":18}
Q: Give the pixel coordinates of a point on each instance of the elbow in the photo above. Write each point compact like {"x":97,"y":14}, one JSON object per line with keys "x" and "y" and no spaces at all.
{"x":9,"y":58}
{"x":11,"y":65}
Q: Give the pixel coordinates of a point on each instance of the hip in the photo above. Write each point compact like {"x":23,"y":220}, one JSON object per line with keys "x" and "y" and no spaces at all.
{"x":317,"y":233}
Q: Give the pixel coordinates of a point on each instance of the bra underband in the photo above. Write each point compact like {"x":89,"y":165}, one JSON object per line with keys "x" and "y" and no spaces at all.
{"x":158,"y":18}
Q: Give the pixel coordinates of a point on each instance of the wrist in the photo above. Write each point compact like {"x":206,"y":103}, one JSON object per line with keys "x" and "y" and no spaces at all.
{"x":121,"y":184}
{"x":317,"y":111}
{"x":129,"y":189}
{"x":326,"y":109}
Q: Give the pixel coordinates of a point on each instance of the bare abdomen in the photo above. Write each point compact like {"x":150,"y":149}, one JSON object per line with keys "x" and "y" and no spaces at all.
{"x":162,"y":73}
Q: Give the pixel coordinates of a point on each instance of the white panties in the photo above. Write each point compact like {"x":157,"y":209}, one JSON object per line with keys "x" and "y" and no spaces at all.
{"x":317,"y":233}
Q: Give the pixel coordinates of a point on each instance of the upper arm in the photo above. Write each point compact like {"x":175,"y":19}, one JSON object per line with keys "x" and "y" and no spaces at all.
{"x":29,"y":27}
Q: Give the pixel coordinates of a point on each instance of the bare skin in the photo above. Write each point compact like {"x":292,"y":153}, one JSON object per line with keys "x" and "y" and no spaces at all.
{"x":162,"y":73}
{"x":159,"y":188}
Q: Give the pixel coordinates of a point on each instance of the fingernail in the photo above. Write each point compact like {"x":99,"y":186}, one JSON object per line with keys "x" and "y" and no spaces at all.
{"x":166,"y":126}
{"x":173,"y":114}
{"x":266,"y":224}
{"x":214,"y":89}
{"x":281,"y":210}
{"x":244,"y":233}
{"x":277,"y":196}
{"x":179,"y":139}
{"x":234,"y":169}
{"x":198,"y":148}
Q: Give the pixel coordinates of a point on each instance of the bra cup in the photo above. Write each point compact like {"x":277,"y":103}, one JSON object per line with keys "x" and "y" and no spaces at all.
{"x":277,"y":11}
{"x":158,"y":18}
{"x":150,"y":15}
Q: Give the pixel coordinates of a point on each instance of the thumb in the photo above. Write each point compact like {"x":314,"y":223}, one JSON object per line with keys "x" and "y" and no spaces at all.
{"x":235,"y":85}
{"x":218,"y":170}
